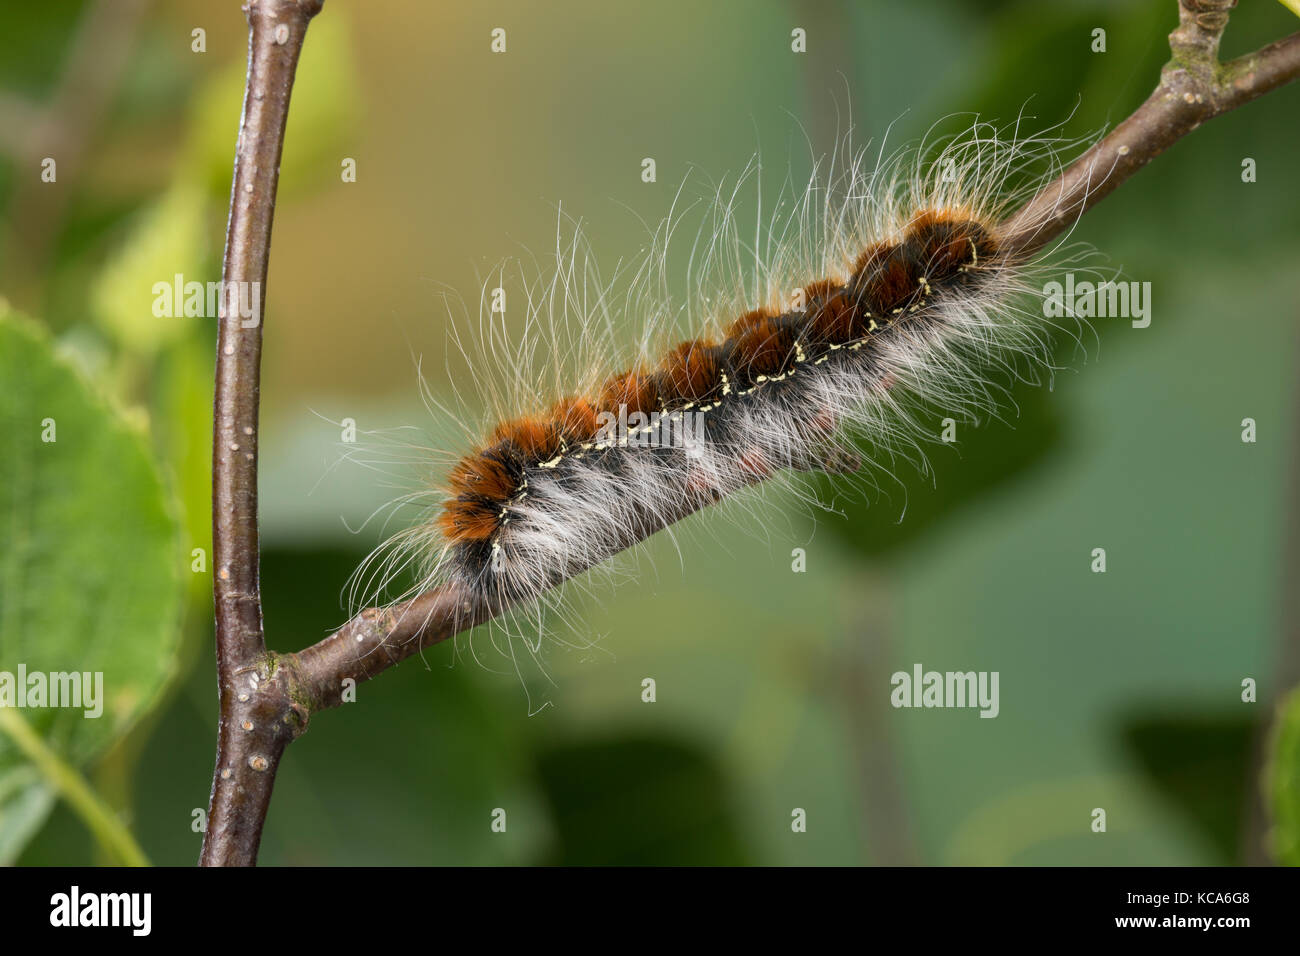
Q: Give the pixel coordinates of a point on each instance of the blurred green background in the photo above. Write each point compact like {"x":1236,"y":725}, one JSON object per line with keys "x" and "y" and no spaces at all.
{"x":1119,"y":690}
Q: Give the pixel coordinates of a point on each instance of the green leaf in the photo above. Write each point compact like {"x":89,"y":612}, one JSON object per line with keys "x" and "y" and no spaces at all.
{"x":1284,"y":783}
{"x":89,"y":567}
{"x":677,"y":796}
{"x":168,"y":240}
{"x":25,"y":801}
{"x":182,"y":433}
{"x":1201,"y":763}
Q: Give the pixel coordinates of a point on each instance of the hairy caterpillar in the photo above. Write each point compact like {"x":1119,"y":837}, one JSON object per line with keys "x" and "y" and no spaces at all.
{"x":876,"y":285}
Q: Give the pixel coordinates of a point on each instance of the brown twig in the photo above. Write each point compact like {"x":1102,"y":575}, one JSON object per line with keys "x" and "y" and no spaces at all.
{"x":257,"y":718}
{"x":1194,"y":87}
{"x":276,"y":694}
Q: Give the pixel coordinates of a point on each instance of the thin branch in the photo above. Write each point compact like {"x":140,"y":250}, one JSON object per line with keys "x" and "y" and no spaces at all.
{"x":254,"y":724}
{"x":109,"y":830}
{"x":1194,"y":87}
{"x":63,"y":130}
